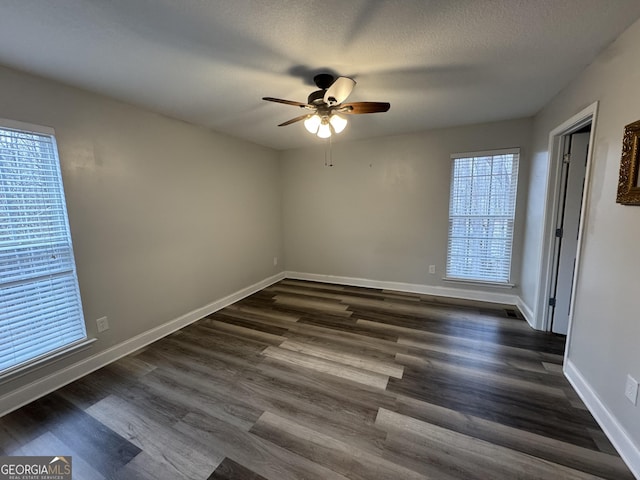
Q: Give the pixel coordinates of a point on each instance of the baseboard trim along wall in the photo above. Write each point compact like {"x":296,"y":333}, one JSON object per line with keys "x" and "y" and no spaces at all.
{"x":462,"y":293}
{"x":527,"y":313}
{"x":607,"y":421}
{"x":34,"y":390}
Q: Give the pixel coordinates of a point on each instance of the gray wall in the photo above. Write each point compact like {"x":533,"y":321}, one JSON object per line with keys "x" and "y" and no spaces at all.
{"x":381,"y":212}
{"x":606,"y":324}
{"x":165,"y":217}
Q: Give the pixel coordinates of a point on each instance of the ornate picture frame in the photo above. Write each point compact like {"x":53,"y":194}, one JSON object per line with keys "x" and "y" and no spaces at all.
{"x":629,"y":182}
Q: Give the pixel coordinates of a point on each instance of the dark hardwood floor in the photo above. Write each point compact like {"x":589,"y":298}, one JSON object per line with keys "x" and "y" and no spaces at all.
{"x":306,"y":380}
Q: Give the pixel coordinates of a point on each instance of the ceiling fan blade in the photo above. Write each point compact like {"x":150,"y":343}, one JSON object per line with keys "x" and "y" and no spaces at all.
{"x":339,"y":91}
{"x":357,"y":108}
{"x":286,"y":102}
{"x":294,"y":120}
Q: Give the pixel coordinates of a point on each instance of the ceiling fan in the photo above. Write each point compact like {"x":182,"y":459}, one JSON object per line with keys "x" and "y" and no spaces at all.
{"x":326,"y":104}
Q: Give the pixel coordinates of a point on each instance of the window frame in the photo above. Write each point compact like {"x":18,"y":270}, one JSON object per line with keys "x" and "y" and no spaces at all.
{"x":44,"y":358}
{"x":450,"y":275}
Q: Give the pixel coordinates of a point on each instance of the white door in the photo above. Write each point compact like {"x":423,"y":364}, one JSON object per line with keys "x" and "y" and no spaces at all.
{"x":569,"y":224}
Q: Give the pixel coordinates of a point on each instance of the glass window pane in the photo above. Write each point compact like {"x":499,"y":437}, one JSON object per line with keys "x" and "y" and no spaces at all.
{"x":481,"y":214}
{"x":40,"y":306}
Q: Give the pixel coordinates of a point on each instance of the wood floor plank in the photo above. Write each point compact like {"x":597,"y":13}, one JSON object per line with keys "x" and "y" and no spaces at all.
{"x":48,"y":444}
{"x":177,"y":453}
{"x":348,"y":325}
{"x":344,"y":458}
{"x":197,"y":392}
{"x":523,"y":370}
{"x":230,"y":470}
{"x":248,"y":332}
{"x":475,"y":458}
{"x":231,"y":344}
{"x":254,"y":453}
{"x":482,"y":375}
{"x":249,"y":314}
{"x":384,"y":353}
{"x":458,"y":354}
{"x":307,"y":292}
{"x":533,"y":413}
{"x":333,"y":368}
{"x":386,"y":346}
{"x":147,"y":467}
{"x":88,"y":390}
{"x":187,"y":357}
{"x":89,"y":438}
{"x":419,"y":312}
{"x":336,"y":410}
{"x":552,"y":367}
{"x":428,"y":339}
{"x":390,"y":369}
{"x":18,"y":428}
{"x":261,"y":312}
{"x":315,"y":384}
{"x":529,"y":365}
{"x":603,"y":443}
{"x":335,"y":308}
{"x":247,"y":323}
{"x":453,"y":321}
{"x":314,"y":285}
{"x":599,"y":463}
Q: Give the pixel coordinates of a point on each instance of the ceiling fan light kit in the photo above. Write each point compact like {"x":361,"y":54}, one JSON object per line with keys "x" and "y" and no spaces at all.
{"x":324,"y":127}
{"x":326,"y":103}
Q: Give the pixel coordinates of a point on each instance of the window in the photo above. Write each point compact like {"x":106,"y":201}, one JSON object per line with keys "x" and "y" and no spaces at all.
{"x":40,"y":308}
{"x":481,"y":214}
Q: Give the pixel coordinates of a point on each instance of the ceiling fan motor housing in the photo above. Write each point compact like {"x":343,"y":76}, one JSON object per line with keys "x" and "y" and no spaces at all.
{"x":316,"y":97}
{"x":323,"y":81}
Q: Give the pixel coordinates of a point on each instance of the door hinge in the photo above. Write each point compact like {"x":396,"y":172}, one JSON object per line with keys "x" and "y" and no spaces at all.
{"x":552,"y":302}
{"x":566,"y":158}
{"x":558,"y":232}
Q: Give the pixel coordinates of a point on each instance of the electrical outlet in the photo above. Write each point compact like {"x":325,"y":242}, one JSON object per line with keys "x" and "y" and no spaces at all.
{"x":103,"y":324}
{"x":432,"y":269}
{"x":631,"y":390}
{"x":275,"y":261}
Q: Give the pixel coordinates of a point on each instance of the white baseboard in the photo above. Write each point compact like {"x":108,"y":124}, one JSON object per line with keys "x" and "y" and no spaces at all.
{"x":34,"y":390}
{"x":619,"y":437}
{"x":463,"y":293}
{"x":527,"y":313}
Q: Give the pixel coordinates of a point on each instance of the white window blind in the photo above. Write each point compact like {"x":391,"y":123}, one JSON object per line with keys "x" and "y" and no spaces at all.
{"x":40,"y":307}
{"x":481,"y":215}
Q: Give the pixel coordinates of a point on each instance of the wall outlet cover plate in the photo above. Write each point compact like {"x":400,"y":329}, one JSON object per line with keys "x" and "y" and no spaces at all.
{"x":631,"y":390}
{"x":103,"y":324}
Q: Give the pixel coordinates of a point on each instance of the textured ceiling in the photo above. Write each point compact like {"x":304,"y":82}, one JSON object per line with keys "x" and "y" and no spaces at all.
{"x":439,"y":62}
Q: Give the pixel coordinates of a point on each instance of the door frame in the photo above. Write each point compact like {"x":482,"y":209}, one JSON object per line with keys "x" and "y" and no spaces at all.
{"x":556,"y":142}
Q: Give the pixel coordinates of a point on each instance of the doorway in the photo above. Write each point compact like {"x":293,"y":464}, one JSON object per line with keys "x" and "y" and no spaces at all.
{"x":566,"y":199}
{"x":572,"y":177}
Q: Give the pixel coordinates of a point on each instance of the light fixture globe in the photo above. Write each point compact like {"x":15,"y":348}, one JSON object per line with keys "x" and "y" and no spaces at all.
{"x":324,"y":131}
{"x":338,"y":123}
{"x":312,"y":123}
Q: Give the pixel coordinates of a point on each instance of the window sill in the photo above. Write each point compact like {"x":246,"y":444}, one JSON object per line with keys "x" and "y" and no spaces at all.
{"x":43,"y":361}
{"x":479,"y":283}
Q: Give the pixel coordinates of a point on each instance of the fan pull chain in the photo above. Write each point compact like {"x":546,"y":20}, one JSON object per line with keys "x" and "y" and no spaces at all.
{"x":328,"y":160}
